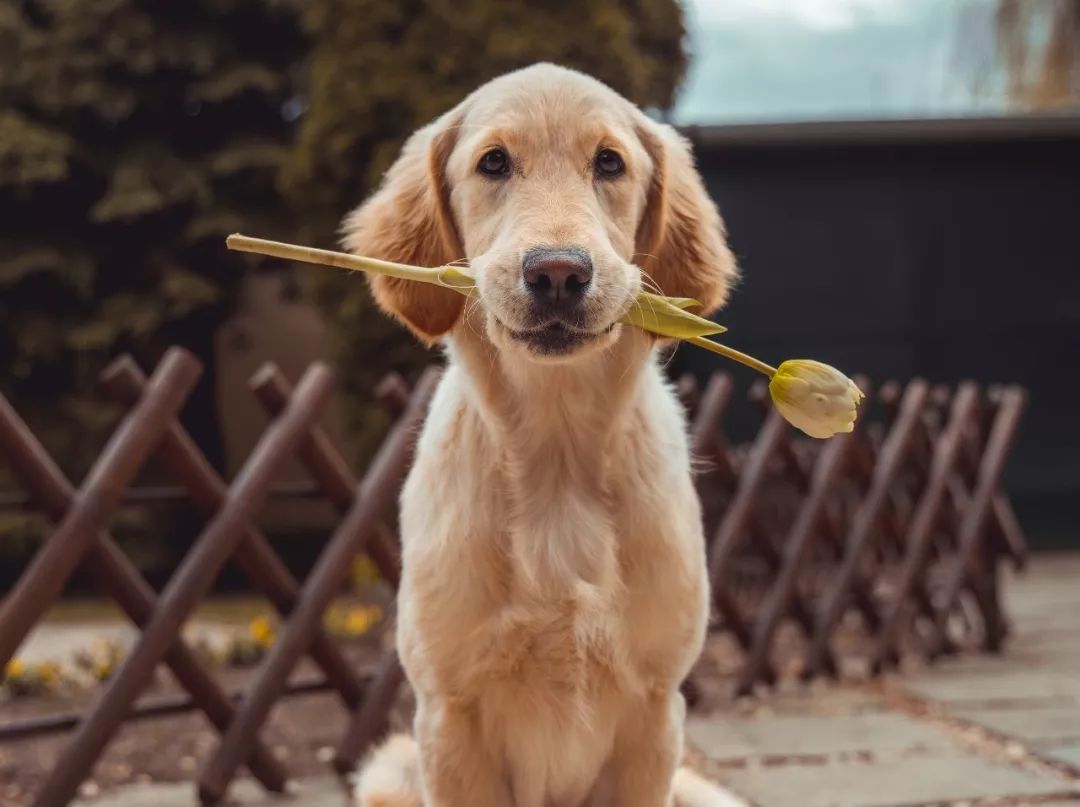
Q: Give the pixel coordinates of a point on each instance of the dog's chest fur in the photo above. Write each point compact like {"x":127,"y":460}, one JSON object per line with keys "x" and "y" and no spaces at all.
{"x":553,"y":570}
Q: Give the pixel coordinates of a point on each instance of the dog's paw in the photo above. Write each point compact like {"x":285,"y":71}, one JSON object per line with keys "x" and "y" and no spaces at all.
{"x":691,"y":790}
{"x":391,"y":776}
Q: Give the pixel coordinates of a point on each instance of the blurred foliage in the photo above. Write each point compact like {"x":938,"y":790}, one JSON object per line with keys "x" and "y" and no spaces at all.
{"x":379,"y":70}
{"x":133,"y":137}
{"x":1039,"y":45}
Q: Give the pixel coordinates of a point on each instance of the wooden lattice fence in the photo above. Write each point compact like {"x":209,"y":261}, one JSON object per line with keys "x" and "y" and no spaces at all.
{"x":903,"y":522}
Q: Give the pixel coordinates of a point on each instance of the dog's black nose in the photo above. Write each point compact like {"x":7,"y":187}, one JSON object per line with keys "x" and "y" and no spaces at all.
{"x":557,"y":277}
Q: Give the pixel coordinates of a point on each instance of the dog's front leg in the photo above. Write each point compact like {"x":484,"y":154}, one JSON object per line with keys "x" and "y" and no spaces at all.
{"x":456,"y":767}
{"x":647,"y":750}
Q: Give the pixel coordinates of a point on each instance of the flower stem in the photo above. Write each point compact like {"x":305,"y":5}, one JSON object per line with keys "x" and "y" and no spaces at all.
{"x":448,"y":276}
{"x":341,"y":260}
{"x":733,"y":354}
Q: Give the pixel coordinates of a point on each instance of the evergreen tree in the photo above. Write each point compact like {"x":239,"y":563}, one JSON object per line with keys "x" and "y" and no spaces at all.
{"x":133,"y":137}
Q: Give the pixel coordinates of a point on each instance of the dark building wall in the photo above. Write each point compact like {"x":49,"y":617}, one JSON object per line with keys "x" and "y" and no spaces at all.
{"x":946,"y":254}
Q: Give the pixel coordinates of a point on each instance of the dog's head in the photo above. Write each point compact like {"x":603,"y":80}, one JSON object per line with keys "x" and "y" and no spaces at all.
{"x":563,"y":198}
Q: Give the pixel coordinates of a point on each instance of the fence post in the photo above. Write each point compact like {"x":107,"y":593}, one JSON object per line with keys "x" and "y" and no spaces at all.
{"x":737,"y":522}
{"x":378,"y":491}
{"x":923,"y":521}
{"x":862,"y":531}
{"x":190,"y":583}
{"x":115,"y":576}
{"x":830,"y":463}
{"x":126,"y":452}
{"x":972,"y":533}
{"x":207,"y":491}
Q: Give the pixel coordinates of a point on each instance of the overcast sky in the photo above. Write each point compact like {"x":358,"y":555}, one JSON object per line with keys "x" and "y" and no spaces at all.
{"x":815,"y":59}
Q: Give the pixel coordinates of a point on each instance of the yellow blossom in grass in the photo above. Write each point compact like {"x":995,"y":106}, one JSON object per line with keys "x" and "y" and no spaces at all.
{"x":29,"y":679}
{"x":100,"y":659}
{"x":262,"y":631}
{"x":815,"y":397}
{"x":14,"y":669}
{"x":350,"y":622}
{"x":364,"y":571}
{"x":359,"y":621}
{"x":49,"y":675}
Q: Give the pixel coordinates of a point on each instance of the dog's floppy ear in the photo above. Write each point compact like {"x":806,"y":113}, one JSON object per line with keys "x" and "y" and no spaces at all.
{"x":408,"y":220}
{"x":681,"y":239}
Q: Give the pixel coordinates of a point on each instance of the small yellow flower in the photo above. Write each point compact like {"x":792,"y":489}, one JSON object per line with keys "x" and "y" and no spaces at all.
{"x":14,"y":669}
{"x":815,"y":397}
{"x":49,"y":674}
{"x":261,"y":631}
{"x":359,"y":621}
{"x":364,"y":571}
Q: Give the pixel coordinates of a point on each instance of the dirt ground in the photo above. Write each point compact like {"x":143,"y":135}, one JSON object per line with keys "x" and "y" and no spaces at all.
{"x":302,"y":730}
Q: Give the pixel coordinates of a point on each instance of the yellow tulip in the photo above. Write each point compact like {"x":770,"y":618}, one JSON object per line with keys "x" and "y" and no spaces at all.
{"x":815,"y":397}
{"x":812,"y":396}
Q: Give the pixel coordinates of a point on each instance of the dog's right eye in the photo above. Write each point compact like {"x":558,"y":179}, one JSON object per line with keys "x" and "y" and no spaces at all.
{"x":494,"y":163}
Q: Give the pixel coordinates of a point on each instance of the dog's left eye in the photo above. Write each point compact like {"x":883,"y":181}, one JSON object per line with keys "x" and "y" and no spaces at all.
{"x":608,"y":164}
{"x":494,"y":163}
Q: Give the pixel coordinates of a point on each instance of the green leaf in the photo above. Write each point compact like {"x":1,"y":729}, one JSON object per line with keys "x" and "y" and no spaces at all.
{"x":148,"y":181}
{"x":187,"y":291}
{"x":667,"y":316}
{"x":73,"y":269}
{"x":31,"y":152}
{"x":245,"y":77}
{"x":684,"y":302}
{"x":121,"y":314}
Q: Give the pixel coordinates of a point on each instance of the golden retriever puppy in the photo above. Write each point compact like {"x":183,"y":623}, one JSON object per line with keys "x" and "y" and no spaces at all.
{"x":554,"y":592}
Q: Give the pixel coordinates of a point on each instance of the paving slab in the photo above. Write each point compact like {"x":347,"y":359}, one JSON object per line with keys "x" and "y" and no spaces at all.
{"x":813,"y":699}
{"x":1032,"y":724}
{"x":990,"y":683}
{"x":729,"y":738}
{"x":325,"y":792}
{"x":1069,"y":754}
{"x":919,"y":781}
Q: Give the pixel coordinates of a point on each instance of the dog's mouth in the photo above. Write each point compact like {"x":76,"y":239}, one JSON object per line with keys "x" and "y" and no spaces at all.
{"x":554,"y":338}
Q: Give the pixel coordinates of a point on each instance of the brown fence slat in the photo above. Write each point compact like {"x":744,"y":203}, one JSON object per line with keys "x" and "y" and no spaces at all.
{"x":971,"y":537}
{"x":116,"y":467}
{"x":370,"y":721}
{"x":902,"y":522}
{"x":190,"y":583}
{"x":155,"y":707}
{"x":256,"y":559}
{"x":117,"y":577}
{"x":797,"y":546}
{"x":923,"y":522}
{"x":707,"y":442}
{"x":869,"y":515}
{"x":151,"y":495}
{"x":737,"y":523}
{"x":326,"y":465}
{"x":376,"y":493}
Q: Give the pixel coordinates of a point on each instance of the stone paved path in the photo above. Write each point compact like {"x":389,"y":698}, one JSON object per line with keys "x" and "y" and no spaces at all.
{"x":973,"y":731}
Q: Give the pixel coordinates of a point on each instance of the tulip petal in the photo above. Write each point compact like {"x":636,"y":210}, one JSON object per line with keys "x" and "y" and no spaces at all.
{"x":814,"y":397}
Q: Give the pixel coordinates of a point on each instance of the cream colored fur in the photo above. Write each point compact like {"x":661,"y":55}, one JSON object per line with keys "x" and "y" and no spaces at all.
{"x":554,"y":592}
